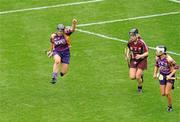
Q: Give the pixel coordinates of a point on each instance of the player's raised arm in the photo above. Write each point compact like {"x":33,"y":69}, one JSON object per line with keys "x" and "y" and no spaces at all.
{"x":74,"y":23}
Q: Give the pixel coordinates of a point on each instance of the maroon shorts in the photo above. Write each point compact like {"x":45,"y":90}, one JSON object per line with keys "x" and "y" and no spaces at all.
{"x":141,"y":64}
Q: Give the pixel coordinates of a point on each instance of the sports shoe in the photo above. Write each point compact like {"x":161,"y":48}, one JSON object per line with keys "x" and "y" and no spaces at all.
{"x":139,"y":90}
{"x":53,"y":81}
{"x":169,"y":109}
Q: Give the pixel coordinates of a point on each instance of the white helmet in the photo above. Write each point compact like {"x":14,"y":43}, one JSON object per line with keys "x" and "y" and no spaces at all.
{"x":60,"y":27}
{"x":161,"y":49}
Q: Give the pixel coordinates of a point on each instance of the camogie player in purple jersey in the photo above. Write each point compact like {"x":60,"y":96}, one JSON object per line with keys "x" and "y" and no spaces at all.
{"x":137,"y":52}
{"x":60,"y":49}
{"x":167,"y":68}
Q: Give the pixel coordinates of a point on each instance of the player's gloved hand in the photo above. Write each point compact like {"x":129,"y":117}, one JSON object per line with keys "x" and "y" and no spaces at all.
{"x":74,"y":21}
{"x":155,"y":76}
{"x":49,"y":54}
{"x":168,"y":77}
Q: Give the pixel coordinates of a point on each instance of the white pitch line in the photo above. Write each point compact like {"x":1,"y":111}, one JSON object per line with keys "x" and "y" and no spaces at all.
{"x":117,"y":39}
{"x":127,"y":19}
{"x":101,"y":35}
{"x":176,"y":1}
{"x":53,"y":6}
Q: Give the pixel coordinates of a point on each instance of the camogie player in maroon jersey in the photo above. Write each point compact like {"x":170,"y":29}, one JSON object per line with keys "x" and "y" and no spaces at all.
{"x":137,"y":53}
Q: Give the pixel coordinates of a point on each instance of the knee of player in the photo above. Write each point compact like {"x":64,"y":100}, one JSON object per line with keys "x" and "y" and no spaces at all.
{"x":57,"y":62}
{"x":163,"y":94}
{"x":138,"y":77}
{"x":132,"y":78}
{"x":167,"y":94}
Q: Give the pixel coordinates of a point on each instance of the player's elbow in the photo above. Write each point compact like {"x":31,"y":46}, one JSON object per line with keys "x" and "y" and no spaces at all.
{"x":146,"y":54}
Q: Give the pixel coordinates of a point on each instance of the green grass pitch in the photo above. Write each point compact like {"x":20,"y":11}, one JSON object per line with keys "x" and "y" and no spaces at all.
{"x":97,"y":87}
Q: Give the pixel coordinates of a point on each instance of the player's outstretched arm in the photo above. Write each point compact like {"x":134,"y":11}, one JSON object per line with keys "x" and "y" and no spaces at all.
{"x":74,"y":23}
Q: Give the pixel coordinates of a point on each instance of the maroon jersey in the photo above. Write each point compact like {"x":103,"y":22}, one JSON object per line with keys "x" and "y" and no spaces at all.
{"x":138,"y":47}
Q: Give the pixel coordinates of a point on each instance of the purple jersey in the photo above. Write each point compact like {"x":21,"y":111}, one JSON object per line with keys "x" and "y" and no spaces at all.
{"x":166,"y":65}
{"x":60,"y":43}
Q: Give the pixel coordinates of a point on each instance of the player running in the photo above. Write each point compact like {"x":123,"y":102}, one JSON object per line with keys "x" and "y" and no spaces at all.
{"x":167,"y":68}
{"x":137,"y":53}
{"x":60,"y":49}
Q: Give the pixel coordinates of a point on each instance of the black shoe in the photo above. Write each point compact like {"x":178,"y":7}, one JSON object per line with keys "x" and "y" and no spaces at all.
{"x":139,"y":89}
{"x":170,"y":109}
{"x":53,"y":81}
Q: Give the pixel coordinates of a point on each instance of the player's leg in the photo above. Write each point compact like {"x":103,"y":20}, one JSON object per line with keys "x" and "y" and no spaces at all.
{"x":64,"y":69}
{"x":139,"y":79}
{"x":162,"y":90}
{"x":141,"y":66}
{"x":132,"y":73}
{"x":132,"y":69}
{"x":168,"y":94}
{"x":57,"y":61}
{"x":65,"y":59}
{"x":162,"y":86}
